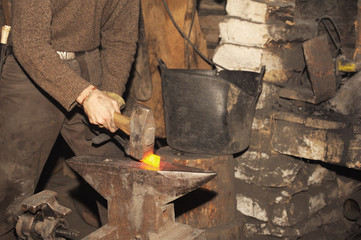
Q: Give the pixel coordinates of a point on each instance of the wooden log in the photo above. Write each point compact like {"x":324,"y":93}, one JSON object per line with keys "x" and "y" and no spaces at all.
{"x":214,"y":204}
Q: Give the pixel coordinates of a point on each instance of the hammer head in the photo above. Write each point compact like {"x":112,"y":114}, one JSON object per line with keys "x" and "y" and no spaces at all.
{"x":142,"y":131}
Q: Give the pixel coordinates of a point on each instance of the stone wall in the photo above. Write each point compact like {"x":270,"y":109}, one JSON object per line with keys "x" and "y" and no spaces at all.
{"x":281,"y":194}
{"x":271,"y":32}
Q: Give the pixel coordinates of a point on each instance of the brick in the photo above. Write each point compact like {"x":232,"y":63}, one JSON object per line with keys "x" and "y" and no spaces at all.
{"x":277,"y":75}
{"x":280,"y":216}
{"x":267,"y":97}
{"x":292,"y":33}
{"x":354,"y":152}
{"x":309,"y":143}
{"x":259,"y":168}
{"x":281,"y":61}
{"x":248,"y":164}
{"x":317,"y":177}
{"x":254,"y":230}
{"x":298,"y":208}
{"x":324,"y":124}
{"x":275,"y":68}
{"x":312,"y":122}
{"x":346,"y":186}
{"x":244,"y":33}
{"x":261,"y":134}
{"x":289,"y":117}
{"x":235,"y":57}
{"x":247,"y":9}
{"x":251,"y":207}
{"x":316,"y":202}
{"x":257,"y":11}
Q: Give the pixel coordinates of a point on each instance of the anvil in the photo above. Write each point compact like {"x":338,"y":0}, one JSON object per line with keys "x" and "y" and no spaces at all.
{"x":137,"y":194}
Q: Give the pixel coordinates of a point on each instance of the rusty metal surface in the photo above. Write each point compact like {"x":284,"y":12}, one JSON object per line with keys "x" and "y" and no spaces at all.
{"x":320,"y":68}
{"x":43,"y":219}
{"x":137,"y":194}
{"x":142,"y":129}
{"x":45,"y":199}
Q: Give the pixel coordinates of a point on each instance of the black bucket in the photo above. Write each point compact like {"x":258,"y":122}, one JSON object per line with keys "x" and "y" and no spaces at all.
{"x":209,"y":112}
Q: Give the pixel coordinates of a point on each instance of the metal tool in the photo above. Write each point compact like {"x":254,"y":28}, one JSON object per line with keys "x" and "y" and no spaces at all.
{"x":320,"y":83}
{"x":140,"y":127}
{"x":43,"y":218}
{"x":138,"y":197}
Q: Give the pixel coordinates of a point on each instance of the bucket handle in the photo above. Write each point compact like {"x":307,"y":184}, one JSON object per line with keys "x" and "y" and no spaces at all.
{"x":259,"y":78}
{"x":210,"y":62}
{"x":162,"y":64}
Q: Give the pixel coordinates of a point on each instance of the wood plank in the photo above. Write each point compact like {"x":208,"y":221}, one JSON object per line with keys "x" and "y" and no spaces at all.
{"x":165,"y":42}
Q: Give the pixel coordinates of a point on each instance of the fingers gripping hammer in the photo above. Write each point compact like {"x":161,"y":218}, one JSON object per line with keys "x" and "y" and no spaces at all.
{"x":140,"y":127}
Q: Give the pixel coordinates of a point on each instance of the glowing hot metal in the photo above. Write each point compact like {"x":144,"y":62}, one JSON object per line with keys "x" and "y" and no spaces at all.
{"x":151,"y":159}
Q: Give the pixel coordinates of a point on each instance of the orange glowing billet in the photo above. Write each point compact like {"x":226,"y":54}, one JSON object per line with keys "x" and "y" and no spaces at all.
{"x":151,"y":159}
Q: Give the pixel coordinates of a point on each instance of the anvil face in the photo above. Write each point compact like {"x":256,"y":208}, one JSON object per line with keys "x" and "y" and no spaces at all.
{"x":136,"y":192}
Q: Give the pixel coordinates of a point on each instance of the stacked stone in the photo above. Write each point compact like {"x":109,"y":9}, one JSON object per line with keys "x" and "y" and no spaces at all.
{"x":257,"y":33}
{"x":280,"y":196}
{"x":278,"y":193}
{"x":281,"y":192}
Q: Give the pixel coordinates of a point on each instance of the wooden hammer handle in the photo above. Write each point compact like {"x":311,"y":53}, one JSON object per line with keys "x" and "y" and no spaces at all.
{"x":122,"y":122}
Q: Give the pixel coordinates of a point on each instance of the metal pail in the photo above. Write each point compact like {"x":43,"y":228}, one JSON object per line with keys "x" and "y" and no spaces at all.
{"x":209,"y":112}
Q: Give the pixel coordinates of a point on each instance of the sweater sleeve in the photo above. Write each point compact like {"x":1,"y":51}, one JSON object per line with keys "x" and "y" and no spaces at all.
{"x":31,"y":39}
{"x":118,"y":45}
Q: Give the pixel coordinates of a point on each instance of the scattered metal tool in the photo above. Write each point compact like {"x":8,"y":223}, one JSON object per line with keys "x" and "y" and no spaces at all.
{"x":321,"y":72}
{"x":344,"y":65}
{"x":43,"y":218}
{"x":138,"y":196}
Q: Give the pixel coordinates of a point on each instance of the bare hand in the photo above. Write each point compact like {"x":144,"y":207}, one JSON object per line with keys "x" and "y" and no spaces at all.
{"x":100,"y":109}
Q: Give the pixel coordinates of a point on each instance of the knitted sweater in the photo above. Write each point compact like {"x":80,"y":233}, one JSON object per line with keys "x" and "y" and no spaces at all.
{"x":42,"y":27}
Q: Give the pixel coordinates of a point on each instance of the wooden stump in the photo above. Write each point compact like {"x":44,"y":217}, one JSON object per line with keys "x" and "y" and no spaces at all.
{"x":213,"y":206}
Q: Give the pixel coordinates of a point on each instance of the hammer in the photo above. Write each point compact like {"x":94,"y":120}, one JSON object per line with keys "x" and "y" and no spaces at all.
{"x":140,"y":127}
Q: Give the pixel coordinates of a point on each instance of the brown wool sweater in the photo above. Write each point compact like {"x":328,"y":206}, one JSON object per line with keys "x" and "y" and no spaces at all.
{"x":42,"y":27}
